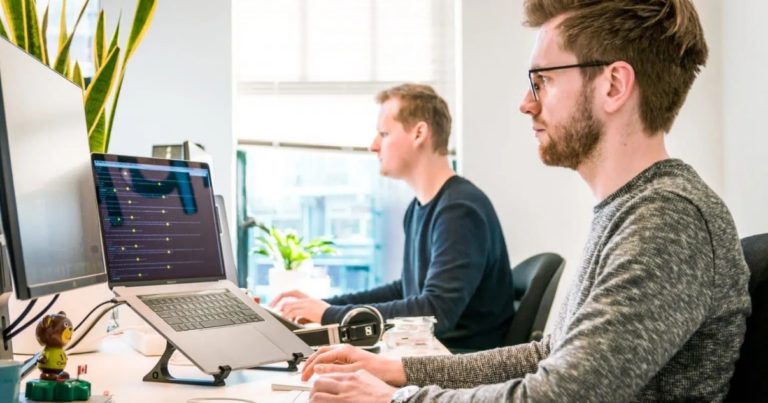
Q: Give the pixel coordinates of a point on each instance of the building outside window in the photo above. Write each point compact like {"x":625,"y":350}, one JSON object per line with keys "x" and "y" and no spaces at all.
{"x":306,"y":73}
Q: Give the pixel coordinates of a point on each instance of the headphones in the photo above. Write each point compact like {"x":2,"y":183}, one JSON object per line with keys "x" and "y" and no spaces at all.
{"x":363,"y":326}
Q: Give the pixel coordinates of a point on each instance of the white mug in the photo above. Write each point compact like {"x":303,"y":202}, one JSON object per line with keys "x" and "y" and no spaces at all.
{"x":9,"y":380}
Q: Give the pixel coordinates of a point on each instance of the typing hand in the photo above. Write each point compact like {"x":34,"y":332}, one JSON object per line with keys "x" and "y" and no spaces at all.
{"x":349,"y":359}
{"x":284,"y":296}
{"x":304,"y":310}
{"x":353,"y":387}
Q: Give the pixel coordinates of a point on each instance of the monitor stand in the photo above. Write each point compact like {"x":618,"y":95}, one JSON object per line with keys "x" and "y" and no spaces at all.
{"x":6,"y":352}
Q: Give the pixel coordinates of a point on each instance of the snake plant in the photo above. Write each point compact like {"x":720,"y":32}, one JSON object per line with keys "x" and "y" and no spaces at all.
{"x":22,"y":27}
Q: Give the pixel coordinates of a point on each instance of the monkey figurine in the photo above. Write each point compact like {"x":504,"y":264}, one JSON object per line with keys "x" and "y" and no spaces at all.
{"x":54,"y":332}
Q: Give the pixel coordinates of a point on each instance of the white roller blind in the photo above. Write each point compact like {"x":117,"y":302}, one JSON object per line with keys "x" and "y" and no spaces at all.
{"x":307,"y":70}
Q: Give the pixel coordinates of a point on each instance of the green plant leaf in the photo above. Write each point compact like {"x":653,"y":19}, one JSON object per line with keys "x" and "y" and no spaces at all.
{"x":3,"y":31}
{"x":145,"y":11}
{"x":96,"y":136}
{"x":34,"y":39}
{"x":62,"y":59}
{"x":97,"y":93}
{"x":15,"y":16}
{"x":289,"y":246}
{"x":99,"y":43}
{"x":43,"y":30}
{"x":113,"y":41}
{"x":62,"y":26}
{"x":77,"y":76}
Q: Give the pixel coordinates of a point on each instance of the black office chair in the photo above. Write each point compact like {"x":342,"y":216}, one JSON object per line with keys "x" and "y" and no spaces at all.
{"x":750,"y":379}
{"x":535,"y":283}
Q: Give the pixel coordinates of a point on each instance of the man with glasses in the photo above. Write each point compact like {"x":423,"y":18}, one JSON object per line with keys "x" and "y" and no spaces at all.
{"x":658,"y":308}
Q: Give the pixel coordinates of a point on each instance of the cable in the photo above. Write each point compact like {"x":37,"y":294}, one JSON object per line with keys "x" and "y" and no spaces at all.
{"x":113,"y":300}
{"x":37,"y":317}
{"x":23,"y":314}
{"x":93,"y":323}
{"x":29,"y":364}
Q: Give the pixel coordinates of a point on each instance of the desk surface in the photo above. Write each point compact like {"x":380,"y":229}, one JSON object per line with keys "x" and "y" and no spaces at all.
{"x":118,"y":370}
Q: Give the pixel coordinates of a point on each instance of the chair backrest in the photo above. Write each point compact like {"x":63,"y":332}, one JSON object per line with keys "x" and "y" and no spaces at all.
{"x":750,"y":379}
{"x":535,"y":283}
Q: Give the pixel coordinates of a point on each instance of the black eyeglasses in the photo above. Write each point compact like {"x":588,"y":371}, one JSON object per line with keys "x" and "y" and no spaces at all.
{"x":537,"y":82}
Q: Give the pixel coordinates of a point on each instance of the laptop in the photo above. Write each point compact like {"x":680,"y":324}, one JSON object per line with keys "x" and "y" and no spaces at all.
{"x":161,"y":241}
{"x":230,"y":268}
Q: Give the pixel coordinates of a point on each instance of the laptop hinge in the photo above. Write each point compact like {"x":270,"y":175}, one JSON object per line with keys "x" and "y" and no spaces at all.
{"x":293,"y":364}
{"x":160,"y":373}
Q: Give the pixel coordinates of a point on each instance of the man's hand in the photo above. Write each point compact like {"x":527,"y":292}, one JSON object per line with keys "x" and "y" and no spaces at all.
{"x":288,"y":294}
{"x":349,"y":359}
{"x":353,"y":387}
{"x":297,"y":305}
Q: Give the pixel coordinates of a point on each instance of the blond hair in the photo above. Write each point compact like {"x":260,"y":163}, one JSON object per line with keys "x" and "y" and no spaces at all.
{"x":420,"y":103}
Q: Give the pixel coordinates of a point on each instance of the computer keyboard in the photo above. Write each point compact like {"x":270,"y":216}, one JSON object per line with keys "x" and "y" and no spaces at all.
{"x":185,"y":312}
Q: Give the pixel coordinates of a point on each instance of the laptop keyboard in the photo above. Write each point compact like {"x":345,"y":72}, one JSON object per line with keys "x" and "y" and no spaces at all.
{"x":201,"y":311}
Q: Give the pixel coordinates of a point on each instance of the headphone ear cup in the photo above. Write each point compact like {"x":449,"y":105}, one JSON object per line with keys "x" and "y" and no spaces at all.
{"x":363,"y":315}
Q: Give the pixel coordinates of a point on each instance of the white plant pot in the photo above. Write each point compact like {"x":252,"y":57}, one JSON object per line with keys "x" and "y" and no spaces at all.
{"x":311,"y":280}
{"x":281,"y":280}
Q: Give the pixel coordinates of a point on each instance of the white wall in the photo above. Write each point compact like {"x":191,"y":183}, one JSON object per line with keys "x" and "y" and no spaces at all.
{"x":178,"y":84}
{"x":744,"y":108}
{"x":541,"y":209}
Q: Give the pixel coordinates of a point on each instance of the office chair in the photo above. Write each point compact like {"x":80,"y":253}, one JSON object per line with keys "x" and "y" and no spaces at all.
{"x":535,"y":283}
{"x":750,"y":379}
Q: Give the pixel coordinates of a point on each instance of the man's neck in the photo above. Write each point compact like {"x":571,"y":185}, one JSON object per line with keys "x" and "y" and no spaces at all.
{"x":620,"y":158}
{"x":429,"y":176}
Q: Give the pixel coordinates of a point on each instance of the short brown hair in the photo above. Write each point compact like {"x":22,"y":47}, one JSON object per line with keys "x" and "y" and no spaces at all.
{"x":420,"y":103}
{"x":661,"y":39}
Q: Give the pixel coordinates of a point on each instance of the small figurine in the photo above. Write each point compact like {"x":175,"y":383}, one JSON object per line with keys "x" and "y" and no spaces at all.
{"x":53,"y":332}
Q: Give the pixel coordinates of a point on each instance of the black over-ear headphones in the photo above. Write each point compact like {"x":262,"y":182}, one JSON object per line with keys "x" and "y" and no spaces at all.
{"x":363,"y":326}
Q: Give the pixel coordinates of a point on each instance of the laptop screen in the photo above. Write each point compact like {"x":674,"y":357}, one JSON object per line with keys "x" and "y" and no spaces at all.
{"x":158,"y":220}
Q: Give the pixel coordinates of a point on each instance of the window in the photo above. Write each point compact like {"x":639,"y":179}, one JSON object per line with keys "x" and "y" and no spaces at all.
{"x":81,"y":49}
{"x":306,"y":75}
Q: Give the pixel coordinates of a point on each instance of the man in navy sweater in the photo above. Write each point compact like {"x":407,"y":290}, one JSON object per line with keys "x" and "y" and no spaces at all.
{"x":455,"y":265}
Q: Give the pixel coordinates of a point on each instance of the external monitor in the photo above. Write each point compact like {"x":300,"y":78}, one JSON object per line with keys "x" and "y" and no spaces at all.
{"x":47,"y":198}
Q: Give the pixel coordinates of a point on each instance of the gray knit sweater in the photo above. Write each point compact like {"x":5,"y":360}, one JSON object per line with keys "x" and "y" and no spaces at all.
{"x":657,"y":310}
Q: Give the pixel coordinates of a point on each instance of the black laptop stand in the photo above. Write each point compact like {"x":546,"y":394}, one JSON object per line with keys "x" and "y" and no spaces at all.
{"x":160,"y":373}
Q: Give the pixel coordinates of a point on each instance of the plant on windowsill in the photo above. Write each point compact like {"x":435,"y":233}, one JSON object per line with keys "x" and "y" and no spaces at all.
{"x":102,"y":90}
{"x":292,"y":258}
{"x":288,"y":250}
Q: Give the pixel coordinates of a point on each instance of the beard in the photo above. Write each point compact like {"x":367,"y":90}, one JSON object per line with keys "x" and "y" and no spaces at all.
{"x":574,"y":142}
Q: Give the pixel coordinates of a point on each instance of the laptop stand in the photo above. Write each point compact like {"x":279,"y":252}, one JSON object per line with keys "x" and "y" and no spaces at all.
{"x":292,"y":364}
{"x":160,"y":373}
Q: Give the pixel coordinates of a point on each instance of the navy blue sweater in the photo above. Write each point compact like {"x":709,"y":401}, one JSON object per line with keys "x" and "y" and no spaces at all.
{"x":455,"y":268}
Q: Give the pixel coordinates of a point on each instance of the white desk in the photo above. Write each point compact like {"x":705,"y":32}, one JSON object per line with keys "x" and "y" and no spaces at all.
{"x":119,"y":369}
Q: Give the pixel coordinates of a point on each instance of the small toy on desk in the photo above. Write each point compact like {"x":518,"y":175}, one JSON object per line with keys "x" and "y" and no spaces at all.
{"x":54,"y":332}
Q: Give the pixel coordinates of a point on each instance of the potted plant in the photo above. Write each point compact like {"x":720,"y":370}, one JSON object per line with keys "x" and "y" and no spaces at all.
{"x":292,"y":258}
{"x":22,"y":27}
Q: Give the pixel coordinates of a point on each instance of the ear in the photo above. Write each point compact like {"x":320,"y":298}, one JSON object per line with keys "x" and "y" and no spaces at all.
{"x":619,"y":87}
{"x":420,"y":133}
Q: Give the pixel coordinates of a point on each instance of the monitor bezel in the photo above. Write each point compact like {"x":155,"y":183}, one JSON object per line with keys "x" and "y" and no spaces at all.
{"x":160,"y":162}
{"x":11,"y":229}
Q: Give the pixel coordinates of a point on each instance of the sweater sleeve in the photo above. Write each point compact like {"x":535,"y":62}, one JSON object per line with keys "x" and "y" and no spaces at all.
{"x":460,"y":242}
{"x":341,"y":304}
{"x":473,"y":369}
{"x":458,"y":256}
{"x":653,"y":290}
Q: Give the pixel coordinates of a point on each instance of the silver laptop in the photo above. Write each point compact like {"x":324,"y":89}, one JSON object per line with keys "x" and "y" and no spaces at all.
{"x":163,"y":256}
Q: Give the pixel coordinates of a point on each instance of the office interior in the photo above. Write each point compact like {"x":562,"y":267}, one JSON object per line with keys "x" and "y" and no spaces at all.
{"x":182,"y":85}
